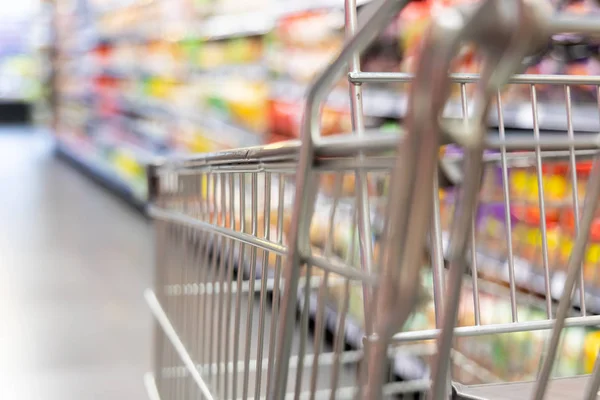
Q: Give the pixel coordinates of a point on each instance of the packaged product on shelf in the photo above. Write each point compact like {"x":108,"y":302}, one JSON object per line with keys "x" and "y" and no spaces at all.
{"x":528,"y":238}
{"x":346,"y":184}
{"x":591,"y":260}
{"x":193,"y":139}
{"x":591,"y":345}
{"x":285,"y":119}
{"x":304,"y":43}
{"x":244,"y":50}
{"x":490,"y":230}
{"x":524,"y":187}
{"x":162,"y":58}
{"x":160,"y":87}
{"x":204,"y":8}
{"x":214,"y":54}
{"x":240,"y":101}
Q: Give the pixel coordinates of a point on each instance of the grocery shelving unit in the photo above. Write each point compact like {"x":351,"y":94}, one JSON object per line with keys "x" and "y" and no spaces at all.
{"x":133,"y":88}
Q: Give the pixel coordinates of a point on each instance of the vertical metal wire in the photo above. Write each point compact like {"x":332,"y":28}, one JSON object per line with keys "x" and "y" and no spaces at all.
{"x":304,"y":317}
{"x":225,"y":245}
{"x":200,"y":236}
{"x":263,"y":287}
{"x":507,"y":216}
{"x":277,"y":280}
{"x":209,"y":301}
{"x":340,"y":340}
{"x":252,"y":282}
{"x":174,"y":300}
{"x":473,"y":244}
{"x":188,"y":292}
{"x":541,"y":201}
{"x":240,"y":277}
{"x":356,"y":107}
{"x":575,"y":194}
{"x":187,"y":265}
{"x":437,"y":255}
{"x":184,"y":295}
{"x":159,"y":342}
{"x":204,"y":271}
{"x":178,"y":297}
{"x":319,"y":332}
{"x":230,"y":295}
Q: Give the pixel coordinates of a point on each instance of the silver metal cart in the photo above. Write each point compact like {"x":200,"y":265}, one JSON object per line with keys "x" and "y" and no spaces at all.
{"x":247,"y":241}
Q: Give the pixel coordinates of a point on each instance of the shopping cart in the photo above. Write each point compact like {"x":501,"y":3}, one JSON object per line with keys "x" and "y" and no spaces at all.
{"x":254,"y":247}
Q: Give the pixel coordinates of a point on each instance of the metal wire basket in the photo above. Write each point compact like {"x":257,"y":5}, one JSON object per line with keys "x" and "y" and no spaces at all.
{"x":253,"y":246}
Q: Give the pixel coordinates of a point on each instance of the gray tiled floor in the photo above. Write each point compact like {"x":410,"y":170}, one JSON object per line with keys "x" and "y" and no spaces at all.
{"x":73,"y":264}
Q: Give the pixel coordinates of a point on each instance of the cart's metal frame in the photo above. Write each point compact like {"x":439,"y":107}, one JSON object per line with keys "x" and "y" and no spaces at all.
{"x":204,"y":235}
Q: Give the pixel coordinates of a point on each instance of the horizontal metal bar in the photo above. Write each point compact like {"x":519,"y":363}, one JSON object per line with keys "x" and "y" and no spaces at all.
{"x":183,"y":219}
{"x":481,"y":330}
{"x":330,"y":146}
{"x":545,"y":142}
{"x":325,"y":359}
{"x":387,"y":77}
{"x":347,"y":164}
{"x":577,"y":24}
{"x":194,"y":289}
{"x":275,"y":167}
{"x":266,"y":158}
{"x":518,"y":159}
{"x":275,"y":152}
{"x":514,"y":159}
{"x":171,"y":333}
{"x":348,"y":145}
{"x":349,"y":392}
{"x":338,"y":267}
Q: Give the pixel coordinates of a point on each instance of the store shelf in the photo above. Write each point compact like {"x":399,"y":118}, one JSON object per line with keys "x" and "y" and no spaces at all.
{"x":530,"y":277}
{"x":224,"y":25}
{"x":256,"y":71}
{"x":224,"y":131}
{"x":387,"y":103}
{"x":101,"y":173}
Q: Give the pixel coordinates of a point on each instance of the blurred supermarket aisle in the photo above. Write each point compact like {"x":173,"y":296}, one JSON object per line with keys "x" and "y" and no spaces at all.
{"x":73,"y":265}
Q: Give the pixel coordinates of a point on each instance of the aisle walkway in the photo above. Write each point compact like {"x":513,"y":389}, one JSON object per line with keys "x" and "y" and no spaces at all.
{"x":73,"y":265}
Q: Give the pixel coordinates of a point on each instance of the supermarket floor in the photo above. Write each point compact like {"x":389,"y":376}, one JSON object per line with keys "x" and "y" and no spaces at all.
{"x":74,"y":262}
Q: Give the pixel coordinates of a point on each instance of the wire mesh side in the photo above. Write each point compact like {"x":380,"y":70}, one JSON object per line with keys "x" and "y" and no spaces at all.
{"x":221,"y":235}
{"x":220,"y":238}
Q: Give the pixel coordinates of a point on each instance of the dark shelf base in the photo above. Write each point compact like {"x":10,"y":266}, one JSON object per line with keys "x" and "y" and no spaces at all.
{"x":14,"y":112}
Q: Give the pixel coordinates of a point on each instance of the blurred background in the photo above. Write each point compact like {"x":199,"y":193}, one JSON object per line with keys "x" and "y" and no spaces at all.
{"x":94,"y":91}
